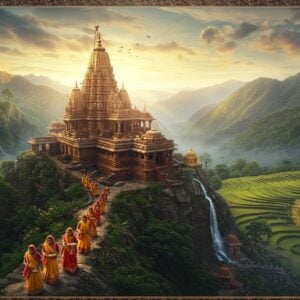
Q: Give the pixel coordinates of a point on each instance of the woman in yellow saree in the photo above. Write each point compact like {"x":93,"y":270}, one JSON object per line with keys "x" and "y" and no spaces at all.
{"x":84,"y":235}
{"x":32,"y":272}
{"x":50,"y":250}
{"x":92,"y":222}
{"x":69,"y":251}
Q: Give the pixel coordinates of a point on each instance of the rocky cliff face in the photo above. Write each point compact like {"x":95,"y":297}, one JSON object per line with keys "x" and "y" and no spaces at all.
{"x":185,"y":205}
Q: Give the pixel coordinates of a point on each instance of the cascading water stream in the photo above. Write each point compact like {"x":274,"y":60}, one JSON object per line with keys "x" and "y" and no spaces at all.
{"x":218,"y":244}
{"x":2,"y":151}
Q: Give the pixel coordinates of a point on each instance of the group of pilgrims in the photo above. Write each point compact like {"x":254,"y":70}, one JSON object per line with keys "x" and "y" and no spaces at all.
{"x":43,"y":267}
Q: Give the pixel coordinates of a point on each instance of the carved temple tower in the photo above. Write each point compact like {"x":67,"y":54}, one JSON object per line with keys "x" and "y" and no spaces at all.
{"x":101,"y":127}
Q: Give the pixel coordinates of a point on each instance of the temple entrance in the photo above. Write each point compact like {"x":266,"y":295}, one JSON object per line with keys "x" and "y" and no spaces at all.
{"x":159,"y":160}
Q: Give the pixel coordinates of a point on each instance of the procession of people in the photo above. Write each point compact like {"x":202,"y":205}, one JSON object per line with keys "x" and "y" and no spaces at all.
{"x":44,"y":267}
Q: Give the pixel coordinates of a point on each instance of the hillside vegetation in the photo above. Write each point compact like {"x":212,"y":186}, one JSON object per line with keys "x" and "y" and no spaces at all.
{"x":276,"y":132}
{"x":249,"y":104}
{"x":15,"y":129}
{"x":40,"y":104}
{"x":35,"y":200}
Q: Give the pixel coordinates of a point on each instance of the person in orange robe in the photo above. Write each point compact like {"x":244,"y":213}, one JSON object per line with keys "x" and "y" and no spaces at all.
{"x":32,"y":273}
{"x":101,"y":204}
{"x":50,"y":250}
{"x":69,"y":252}
{"x":84,"y":235}
{"x":92,"y":222}
{"x":97,"y":213}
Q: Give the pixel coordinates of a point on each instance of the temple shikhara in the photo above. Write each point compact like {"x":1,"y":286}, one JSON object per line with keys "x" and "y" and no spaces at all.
{"x":101,"y":127}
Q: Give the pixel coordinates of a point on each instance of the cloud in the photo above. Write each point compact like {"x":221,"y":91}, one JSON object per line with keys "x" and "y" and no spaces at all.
{"x":74,"y":17}
{"x":211,"y":34}
{"x":243,"y":30}
{"x":167,"y":47}
{"x":25,"y":29}
{"x":227,"y":46}
{"x":12,"y":51}
{"x":284,"y":40}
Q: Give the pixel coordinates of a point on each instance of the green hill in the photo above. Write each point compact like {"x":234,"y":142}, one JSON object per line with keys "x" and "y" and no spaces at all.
{"x":40,"y":104}
{"x":240,"y":110}
{"x":15,"y":129}
{"x":275,"y":132}
{"x":181,"y":106}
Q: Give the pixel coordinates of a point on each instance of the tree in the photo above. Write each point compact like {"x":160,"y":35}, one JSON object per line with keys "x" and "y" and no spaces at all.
{"x":7,"y":93}
{"x":206,"y":160}
{"x":238,"y":165}
{"x":257,"y":231}
{"x":222,"y":171}
{"x":251,"y":168}
{"x":215,"y":182}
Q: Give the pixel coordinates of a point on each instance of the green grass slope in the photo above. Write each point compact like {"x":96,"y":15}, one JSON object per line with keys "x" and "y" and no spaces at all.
{"x":269,"y":198}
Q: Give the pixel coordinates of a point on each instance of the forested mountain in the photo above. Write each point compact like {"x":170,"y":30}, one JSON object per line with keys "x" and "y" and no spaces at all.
{"x":184,"y":104}
{"x":15,"y":129}
{"x":40,"y":104}
{"x":249,"y":104}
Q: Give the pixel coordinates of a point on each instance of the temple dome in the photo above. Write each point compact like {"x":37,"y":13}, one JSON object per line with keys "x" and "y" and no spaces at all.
{"x":191,"y":159}
{"x":232,"y":240}
{"x":124,"y":98}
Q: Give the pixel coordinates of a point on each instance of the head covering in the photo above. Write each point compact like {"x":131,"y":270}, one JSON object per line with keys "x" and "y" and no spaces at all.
{"x":50,"y":236}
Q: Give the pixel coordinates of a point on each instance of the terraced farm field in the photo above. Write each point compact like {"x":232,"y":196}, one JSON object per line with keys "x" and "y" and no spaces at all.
{"x":269,"y":198}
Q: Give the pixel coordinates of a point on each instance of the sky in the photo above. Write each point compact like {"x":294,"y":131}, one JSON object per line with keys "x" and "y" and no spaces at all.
{"x":153,"y":48}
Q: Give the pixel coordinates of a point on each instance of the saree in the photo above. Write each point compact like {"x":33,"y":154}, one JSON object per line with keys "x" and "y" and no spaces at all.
{"x":69,"y":253}
{"x":84,"y":237}
{"x":32,"y":273}
{"x":50,"y":263}
{"x":92,"y":223}
{"x":101,"y":204}
{"x":97,"y":213}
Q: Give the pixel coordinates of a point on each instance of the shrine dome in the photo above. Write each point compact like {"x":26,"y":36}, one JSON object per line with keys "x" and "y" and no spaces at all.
{"x":191,"y":159}
{"x":232,"y":239}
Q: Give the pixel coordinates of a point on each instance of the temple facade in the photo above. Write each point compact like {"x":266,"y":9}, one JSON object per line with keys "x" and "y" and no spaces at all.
{"x":101,"y":127}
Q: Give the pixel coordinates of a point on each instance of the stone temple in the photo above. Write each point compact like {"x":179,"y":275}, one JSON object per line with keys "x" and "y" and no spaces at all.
{"x":101,"y":127}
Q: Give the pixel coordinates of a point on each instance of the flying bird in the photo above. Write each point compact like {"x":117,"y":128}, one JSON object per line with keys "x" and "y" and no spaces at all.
{"x":148,"y":36}
{"x":137,"y":44}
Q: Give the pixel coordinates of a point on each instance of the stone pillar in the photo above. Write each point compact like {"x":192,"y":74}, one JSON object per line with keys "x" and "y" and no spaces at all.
{"x":150,"y":124}
{"x":132,"y":126}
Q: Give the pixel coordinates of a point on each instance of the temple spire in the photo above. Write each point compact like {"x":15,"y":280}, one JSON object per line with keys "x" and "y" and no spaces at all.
{"x":97,"y":40}
{"x":76,"y":86}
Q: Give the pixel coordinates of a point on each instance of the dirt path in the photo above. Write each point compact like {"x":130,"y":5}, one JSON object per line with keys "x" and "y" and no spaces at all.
{"x":84,"y":280}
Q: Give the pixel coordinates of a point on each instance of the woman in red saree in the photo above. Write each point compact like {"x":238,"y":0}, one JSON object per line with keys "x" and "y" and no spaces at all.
{"x":50,"y":250}
{"x":69,"y":251}
{"x":32,"y":272}
{"x":92,"y":222}
{"x":97,"y":213}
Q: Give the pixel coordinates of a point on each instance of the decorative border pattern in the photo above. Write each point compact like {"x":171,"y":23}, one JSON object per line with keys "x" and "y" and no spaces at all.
{"x":150,"y":3}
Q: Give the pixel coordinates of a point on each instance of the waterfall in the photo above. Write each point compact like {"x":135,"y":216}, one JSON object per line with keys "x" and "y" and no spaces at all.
{"x":215,"y":233}
{"x":2,"y":151}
